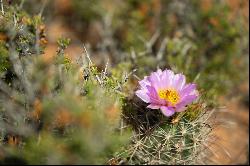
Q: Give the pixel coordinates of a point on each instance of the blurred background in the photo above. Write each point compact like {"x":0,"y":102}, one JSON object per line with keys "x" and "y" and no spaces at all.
{"x":112,"y":27}
{"x":216,"y":32}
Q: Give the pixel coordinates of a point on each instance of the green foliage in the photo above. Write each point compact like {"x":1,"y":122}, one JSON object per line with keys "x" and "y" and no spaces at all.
{"x":4,"y":63}
{"x":77,"y":118}
{"x":87,"y":10}
{"x":63,"y":43}
{"x":21,"y":32}
{"x":55,"y":109}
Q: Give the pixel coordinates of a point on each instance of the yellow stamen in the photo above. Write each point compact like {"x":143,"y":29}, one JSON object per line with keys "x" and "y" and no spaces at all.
{"x":169,"y":95}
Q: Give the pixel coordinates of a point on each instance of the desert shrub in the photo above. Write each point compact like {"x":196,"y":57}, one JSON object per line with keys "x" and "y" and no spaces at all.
{"x":57,"y":109}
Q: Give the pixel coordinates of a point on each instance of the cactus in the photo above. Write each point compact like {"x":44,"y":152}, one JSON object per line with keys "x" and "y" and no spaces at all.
{"x":181,"y":139}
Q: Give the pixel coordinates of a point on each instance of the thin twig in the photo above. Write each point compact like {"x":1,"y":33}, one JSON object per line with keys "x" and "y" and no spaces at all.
{"x":133,"y":54}
{"x":153,"y":39}
{"x":21,"y":4}
{"x":162,"y":49}
{"x":105,"y":70}
{"x":37,"y":45}
{"x":14,"y":19}
{"x":90,"y":62}
{"x":138,"y":78}
{"x":43,"y":6}
{"x":2,"y":7}
{"x":19,"y":71}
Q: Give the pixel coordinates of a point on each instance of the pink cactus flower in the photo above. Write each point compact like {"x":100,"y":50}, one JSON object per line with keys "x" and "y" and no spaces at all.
{"x":167,"y":91}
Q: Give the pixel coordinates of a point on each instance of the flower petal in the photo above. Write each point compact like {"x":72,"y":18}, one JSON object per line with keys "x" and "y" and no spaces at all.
{"x":164,"y":80}
{"x":167,"y":111}
{"x":167,"y":78}
{"x":189,"y":88}
{"x":144,"y":83}
{"x":155,"y":80}
{"x":153,"y":106}
{"x":159,"y":72}
{"x":186,"y":100}
{"x":153,"y":95}
{"x":179,"y":81}
{"x":143,"y":95}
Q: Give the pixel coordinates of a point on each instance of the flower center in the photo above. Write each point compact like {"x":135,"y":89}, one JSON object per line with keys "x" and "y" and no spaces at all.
{"x":169,"y":95}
